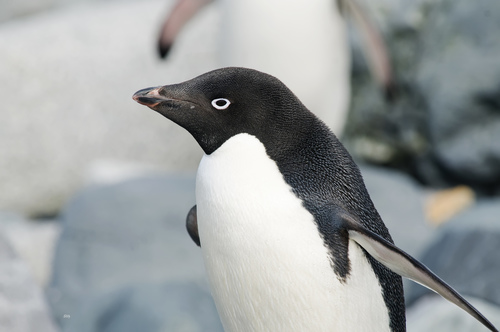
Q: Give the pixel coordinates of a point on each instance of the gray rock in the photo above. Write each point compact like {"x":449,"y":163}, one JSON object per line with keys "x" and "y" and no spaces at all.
{"x":73,"y":71}
{"x":390,"y":131}
{"x":460,"y":76}
{"x":184,"y":306}
{"x":483,"y":215}
{"x":443,"y":122}
{"x":465,"y":254}
{"x":432,"y":313}
{"x":400,"y":202}
{"x":22,"y":305}
{"x":121,"y":235}
{"x":33,"y":241}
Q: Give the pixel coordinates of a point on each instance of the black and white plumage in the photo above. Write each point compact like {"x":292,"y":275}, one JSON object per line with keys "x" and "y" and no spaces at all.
{"x":290,"y":237}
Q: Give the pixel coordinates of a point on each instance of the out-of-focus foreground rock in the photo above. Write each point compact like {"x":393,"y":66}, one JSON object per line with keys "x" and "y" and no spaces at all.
{"x":125,"y":262}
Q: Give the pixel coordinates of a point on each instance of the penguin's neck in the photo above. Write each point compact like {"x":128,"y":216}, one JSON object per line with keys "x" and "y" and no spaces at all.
{"x":266,"y":262}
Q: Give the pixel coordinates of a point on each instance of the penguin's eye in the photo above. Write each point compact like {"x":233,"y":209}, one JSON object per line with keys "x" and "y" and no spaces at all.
{"x":221,"y":103}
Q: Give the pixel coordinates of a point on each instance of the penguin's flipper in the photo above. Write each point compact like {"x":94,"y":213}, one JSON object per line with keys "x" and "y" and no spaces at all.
{"x":182,"y":12}
{"x":406,"y":266}
{"x":192,"y":225}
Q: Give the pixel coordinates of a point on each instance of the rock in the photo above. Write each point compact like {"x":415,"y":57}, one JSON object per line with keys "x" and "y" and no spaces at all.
{"x":73,"y":97}
{"x":183,"y":306}
{"x":433,"y":313}
{"x":483,"y":215}
{"x":119,"y":236}
{"x":22,"y":305}
{"x":400,"y":202}
{"x":464,"y":253}
{"x":443,"y":121}
{"x":389,"y":131}
{"x":33,"y":241}
{"x":463,"y":104}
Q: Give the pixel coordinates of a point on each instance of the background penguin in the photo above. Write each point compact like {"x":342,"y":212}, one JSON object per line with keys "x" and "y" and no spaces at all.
{"x":290,"y":238}
{"x":303,"y":43}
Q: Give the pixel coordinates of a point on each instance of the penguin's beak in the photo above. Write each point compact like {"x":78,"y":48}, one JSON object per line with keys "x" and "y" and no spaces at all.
{"x":149,"y":97}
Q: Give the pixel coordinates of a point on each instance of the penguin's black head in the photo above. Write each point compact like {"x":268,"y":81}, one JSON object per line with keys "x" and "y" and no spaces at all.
{"x":225,"y":102}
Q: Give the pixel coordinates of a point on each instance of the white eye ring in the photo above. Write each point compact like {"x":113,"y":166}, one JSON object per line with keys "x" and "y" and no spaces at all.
{"x":221,"y":103}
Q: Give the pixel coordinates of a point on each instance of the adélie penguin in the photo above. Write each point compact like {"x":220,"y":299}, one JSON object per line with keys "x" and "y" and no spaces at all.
{"x":290,"y":238}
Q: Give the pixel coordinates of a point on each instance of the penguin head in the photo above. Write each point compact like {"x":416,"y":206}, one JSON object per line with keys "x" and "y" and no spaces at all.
{"x":225,"y":102}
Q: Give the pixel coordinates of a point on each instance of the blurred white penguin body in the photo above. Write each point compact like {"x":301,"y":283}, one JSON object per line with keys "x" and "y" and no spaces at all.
{"x":303,"y":43}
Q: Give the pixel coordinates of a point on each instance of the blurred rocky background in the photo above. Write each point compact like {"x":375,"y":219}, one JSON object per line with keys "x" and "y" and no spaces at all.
{"x":95,"y":188}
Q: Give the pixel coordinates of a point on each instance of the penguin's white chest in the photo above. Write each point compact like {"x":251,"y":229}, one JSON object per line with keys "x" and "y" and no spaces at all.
{"x":267,"y":264}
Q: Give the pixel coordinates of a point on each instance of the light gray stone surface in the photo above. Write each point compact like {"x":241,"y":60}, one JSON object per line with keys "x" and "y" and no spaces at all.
{"x":22,"y":304}
{"x":33,"y":241}
{"x":433,"y":313}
